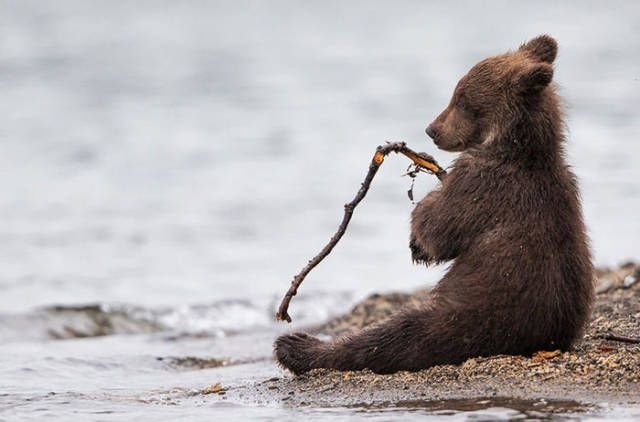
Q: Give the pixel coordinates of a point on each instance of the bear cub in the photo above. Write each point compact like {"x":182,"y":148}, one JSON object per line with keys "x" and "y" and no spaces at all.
{"x":508,"y":214}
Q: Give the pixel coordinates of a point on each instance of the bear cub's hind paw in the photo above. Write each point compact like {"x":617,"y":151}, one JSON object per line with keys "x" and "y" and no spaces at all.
{"x":298,"y":352}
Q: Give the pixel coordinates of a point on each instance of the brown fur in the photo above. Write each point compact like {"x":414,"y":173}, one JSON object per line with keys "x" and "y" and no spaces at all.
{"x":508,"y":214}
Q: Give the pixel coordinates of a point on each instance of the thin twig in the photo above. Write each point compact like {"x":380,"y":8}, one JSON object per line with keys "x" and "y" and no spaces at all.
{"x":421,"y":161}
{"x":616,"y":337}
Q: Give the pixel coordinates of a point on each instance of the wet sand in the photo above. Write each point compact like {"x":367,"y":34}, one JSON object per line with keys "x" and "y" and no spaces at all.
{"x":603,"y":367}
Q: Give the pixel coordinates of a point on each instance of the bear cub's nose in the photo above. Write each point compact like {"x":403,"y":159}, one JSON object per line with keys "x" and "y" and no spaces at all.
{"x":432,"y":131}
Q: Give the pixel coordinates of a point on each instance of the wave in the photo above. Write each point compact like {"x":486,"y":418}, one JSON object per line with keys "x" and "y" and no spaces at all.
{"x":99,"y":319}
{"x":217,"y":319}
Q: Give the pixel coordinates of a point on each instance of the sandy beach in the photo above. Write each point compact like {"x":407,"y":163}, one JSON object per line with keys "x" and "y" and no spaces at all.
{"x":603,"y":367}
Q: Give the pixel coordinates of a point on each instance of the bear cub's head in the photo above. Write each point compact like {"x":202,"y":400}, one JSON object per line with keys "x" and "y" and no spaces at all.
{"x":493,"y":94}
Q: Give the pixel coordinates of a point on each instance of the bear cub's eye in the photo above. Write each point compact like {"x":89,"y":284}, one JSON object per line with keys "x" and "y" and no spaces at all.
{"x":462,"y":104}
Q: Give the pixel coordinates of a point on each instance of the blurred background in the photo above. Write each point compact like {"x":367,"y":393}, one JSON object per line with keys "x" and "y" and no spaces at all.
{"x":185,"y":159}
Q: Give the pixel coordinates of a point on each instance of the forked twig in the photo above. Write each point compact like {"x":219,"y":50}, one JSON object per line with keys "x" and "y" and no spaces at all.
{"x":422,"y":162}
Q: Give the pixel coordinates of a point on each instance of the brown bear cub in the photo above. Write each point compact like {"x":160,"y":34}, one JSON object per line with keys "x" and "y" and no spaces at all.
{"x":508,"y":213}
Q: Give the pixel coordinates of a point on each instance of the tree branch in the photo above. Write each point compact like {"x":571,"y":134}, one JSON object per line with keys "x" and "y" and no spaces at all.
{"x":421,"y":161}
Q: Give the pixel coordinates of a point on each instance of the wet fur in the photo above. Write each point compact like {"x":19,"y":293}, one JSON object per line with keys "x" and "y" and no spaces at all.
{"x":508,"y":214}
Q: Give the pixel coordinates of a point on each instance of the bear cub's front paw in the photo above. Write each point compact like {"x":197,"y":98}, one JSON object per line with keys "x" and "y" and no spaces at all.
{"x":418,"y":255}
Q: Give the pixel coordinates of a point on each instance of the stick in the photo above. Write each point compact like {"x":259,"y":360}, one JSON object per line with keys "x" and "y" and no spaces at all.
{"x":422,"y":162}
{"x":611,"y":336}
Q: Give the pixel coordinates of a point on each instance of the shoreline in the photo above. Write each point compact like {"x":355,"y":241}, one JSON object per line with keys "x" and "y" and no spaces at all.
{"x":598,"y":369}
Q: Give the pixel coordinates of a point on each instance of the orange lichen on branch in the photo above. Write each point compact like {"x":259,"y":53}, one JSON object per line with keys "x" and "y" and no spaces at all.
{"x":378,"y":157}
{"x":421,"y":161}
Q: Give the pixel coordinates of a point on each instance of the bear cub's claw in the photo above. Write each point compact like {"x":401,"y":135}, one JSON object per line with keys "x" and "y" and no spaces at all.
{"x":418,"y":256}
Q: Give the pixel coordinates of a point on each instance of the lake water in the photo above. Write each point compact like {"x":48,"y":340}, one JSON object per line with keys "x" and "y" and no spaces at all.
{"x":168,"y":166}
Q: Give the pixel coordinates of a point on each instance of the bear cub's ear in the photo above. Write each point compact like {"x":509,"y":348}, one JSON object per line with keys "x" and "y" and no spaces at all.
{"x":534,"y":78}
{"x":543,"y":48}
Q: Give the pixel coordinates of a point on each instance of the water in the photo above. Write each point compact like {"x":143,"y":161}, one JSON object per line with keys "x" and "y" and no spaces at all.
{"x":166,"y":167}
